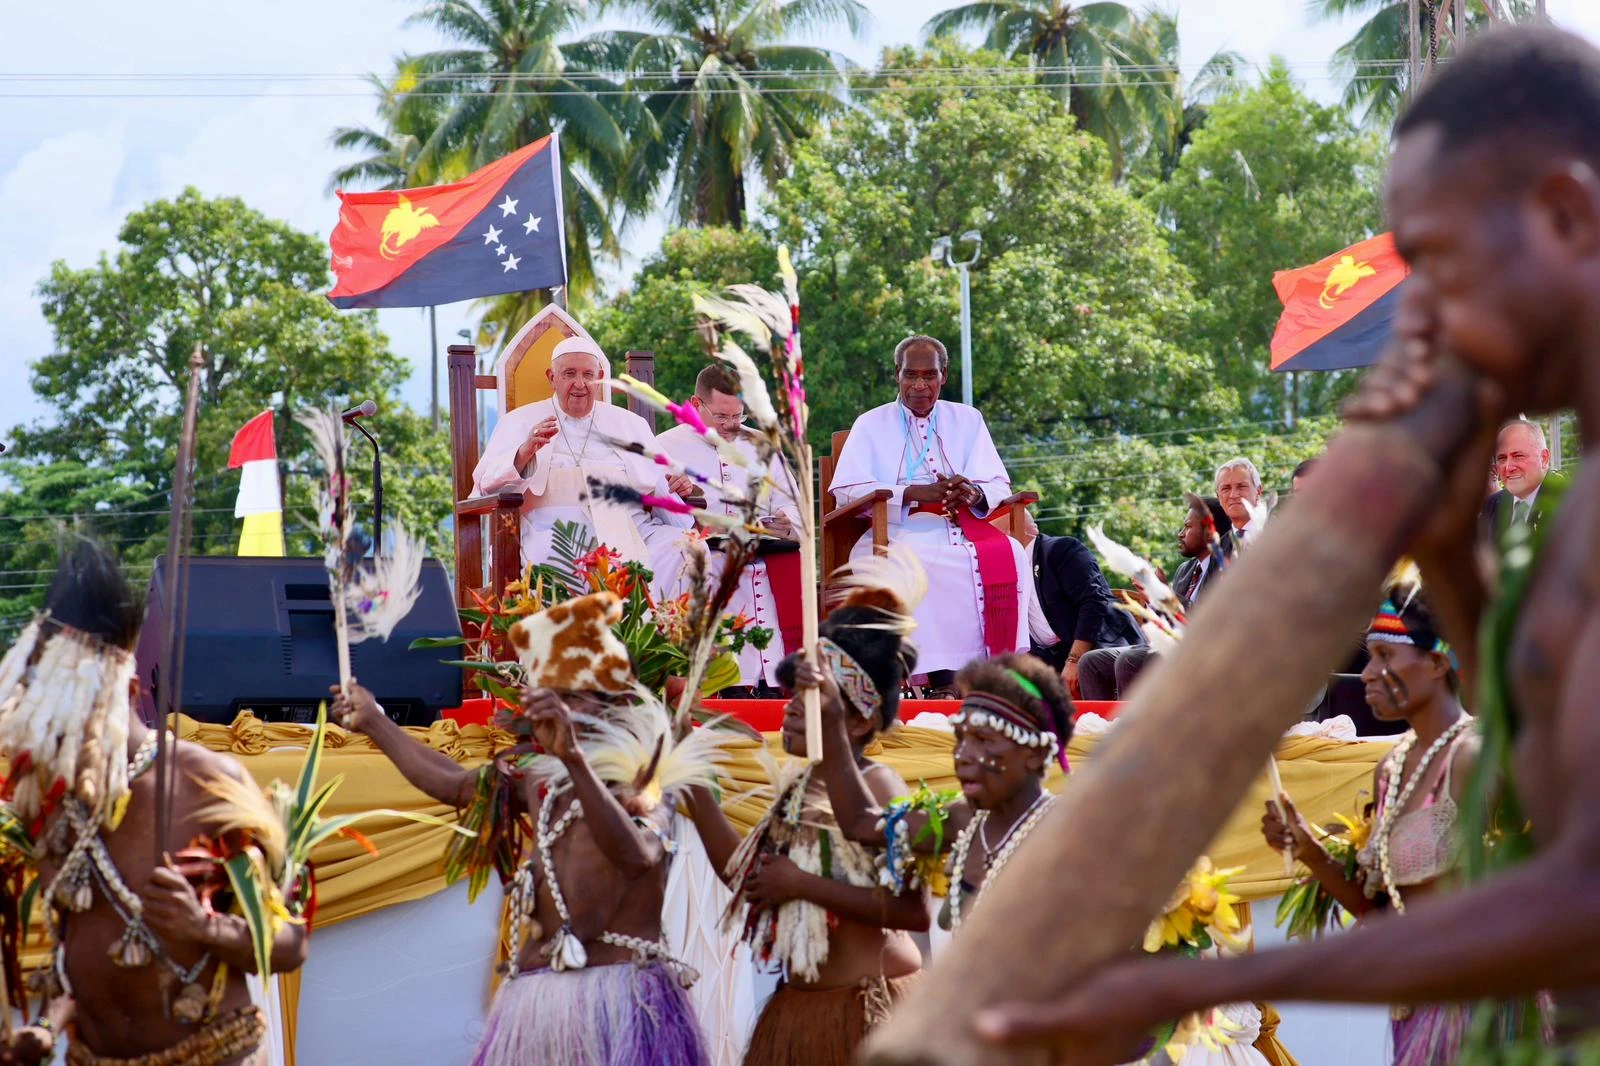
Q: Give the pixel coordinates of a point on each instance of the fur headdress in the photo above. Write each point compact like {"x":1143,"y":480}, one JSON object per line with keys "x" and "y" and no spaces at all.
{"x":570,"y":647}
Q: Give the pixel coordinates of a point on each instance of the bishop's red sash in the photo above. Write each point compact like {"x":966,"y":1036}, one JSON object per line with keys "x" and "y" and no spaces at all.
{"x":997,"y":569}
{"x":783,"y":574}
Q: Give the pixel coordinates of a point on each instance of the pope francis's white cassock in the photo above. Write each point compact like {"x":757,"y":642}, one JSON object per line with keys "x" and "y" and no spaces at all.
{"x":891,"y":448}
{"x":554,"y":483}
{"x":755,"y":596}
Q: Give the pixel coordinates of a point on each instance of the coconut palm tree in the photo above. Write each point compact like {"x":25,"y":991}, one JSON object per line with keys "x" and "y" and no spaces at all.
{"x":728,"y":97}
{"x":1188,"y":104}
{"x":1374,"y":62}
{"x":512,"y":76}
{"x":1098,"y":58}
{"x":394,"y":148}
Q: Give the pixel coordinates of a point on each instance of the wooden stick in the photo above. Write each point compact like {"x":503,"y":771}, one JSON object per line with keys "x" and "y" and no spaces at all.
{"x":810,"y":590}
{"x":1084,"y":887}
{"x":1277,"y":791}
{"x":175,"y":600}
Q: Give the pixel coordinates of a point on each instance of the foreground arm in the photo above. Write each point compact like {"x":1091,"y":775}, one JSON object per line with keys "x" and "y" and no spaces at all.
{"x":777,"y":880}
{"x":634,"y":849}
{"x":855,"y":808}
{"x":34,"y":1044}
{"x":1533,"y":927}
{"x":718,"y":835}
{"x":431,"y":772}
{"x":176,"y":916}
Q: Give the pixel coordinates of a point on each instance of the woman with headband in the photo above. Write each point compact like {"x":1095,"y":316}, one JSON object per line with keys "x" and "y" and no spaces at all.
{"x":1413,"y":848}
{"x":1015,"y":720}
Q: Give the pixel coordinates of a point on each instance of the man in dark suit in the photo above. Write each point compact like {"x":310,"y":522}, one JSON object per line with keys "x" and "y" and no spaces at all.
{"x":1522,"y":463}
{"x":1106,"y":673}
{"x":1071,"y":611}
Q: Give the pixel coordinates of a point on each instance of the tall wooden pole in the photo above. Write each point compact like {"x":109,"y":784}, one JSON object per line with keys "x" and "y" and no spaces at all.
{"x":1082,"y":889}
{"x":1414,"y":65}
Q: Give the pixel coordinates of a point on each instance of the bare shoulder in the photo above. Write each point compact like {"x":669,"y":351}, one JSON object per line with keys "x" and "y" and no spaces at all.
{"x":884,"y":782}
{"x":1463,"y":760}
{"x":198,"y":761}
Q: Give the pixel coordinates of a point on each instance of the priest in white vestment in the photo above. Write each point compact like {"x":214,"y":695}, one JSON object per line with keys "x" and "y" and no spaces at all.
{"x":547,"y":450}
{"x":716,"y":397}
{"x":937,"y":459}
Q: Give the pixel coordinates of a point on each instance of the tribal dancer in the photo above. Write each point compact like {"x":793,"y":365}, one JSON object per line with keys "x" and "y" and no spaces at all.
{"x":808,"y":899}
{"x":1494,"y":195}
{"x":144,"y":972}
{"x":1415,"y":844}
{"x":590,"y":981}
{"x":1015,"y":720}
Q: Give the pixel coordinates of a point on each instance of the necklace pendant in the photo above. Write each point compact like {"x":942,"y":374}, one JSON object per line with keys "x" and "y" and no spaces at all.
{"x":190,"y":1005}
{"x":130,"y":951}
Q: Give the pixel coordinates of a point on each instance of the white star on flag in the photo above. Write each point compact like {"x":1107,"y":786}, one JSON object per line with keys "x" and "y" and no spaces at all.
{"x":532,"y":224}
{"x":508,"y":206}
{"x":510,"y":263}
{"x":499,"y":249}
{"x":492,"y":236}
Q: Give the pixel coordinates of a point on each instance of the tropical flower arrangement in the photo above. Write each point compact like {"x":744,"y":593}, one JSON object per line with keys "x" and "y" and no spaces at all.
{"x":1198,"y":916}
{"x":1308,"y":910}
{"x":655,"y":634}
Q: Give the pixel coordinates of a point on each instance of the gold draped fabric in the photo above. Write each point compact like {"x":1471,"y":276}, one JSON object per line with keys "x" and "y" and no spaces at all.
{"x":1323,"y":776}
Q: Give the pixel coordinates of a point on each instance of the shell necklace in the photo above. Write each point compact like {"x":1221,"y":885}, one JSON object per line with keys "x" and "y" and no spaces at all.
{"x":992,"y":863}
{"x":1392,"y":808}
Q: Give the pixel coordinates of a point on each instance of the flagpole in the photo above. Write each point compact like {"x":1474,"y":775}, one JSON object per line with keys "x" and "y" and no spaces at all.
{"x":433,"y":362}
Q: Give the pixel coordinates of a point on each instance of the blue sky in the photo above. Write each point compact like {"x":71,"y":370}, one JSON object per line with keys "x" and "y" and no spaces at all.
{"x":78,"y":151}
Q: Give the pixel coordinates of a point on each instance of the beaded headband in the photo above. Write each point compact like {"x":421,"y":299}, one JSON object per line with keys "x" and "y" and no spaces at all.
{"x":1389,"y":627}
{"x":1010,"y":721}
{"x":853,"y":681}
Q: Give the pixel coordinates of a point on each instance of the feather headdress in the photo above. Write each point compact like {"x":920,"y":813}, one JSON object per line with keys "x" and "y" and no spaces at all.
{"x":64,"y":722}
{"x":1130,"y":564}
{"x":892,"y":585}
{"x":633,"y":748}
{"x":368,"y":600}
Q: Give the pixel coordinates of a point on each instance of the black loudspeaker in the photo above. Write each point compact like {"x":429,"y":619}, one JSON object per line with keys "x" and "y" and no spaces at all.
{"x":259,"y":636}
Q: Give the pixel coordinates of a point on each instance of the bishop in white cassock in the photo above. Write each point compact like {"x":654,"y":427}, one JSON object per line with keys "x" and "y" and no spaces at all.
{"x":549,"y":449}
{"x":937,"y":459}
{"x":716,"y":397}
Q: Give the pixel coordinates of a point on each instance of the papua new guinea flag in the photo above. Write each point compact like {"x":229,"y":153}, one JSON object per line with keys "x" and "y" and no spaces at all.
{"x":497,"y":230}
{"x":1338,"y":312}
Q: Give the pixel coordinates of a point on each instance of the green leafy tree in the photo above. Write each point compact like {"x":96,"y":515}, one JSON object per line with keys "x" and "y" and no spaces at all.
{"x":738,"y":98}
{"x":1081,"y":315}
{"x":249,"y":289}
{"x":1374,"y":62}
{"x":657,"y":312}
{"x":1098,"y":59}
{"x":1273,"y":181}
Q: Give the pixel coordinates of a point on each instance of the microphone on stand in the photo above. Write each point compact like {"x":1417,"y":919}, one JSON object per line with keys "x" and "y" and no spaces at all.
{"x":366,"y":410}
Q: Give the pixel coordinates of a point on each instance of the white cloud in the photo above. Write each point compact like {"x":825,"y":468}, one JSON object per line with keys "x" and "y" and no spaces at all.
{"x":58,"y":201}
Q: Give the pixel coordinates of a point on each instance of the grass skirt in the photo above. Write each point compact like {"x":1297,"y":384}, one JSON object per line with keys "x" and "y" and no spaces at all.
{"x":622,"y":1015}
{"x":809,"y":1027}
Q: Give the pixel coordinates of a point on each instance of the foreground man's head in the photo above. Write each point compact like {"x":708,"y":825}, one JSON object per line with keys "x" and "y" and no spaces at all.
{"x":1494,"y":194}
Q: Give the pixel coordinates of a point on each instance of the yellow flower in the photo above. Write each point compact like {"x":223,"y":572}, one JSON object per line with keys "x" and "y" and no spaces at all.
{"x":1356,"y":830}
{"x":1201,"y":901}
{"x":1213,"y":1030}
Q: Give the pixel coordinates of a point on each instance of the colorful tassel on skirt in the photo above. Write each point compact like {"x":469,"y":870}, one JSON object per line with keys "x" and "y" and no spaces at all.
{"x":820,"y":1027}
{"x":622,"y":1015}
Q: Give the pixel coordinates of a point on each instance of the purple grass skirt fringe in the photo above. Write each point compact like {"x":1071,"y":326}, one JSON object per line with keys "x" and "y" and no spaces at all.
{"x":621,"y":1015}
{"x":1432,"y":1036}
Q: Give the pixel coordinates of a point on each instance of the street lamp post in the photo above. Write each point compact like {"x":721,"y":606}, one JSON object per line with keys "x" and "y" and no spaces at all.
{"x":941,"y":253}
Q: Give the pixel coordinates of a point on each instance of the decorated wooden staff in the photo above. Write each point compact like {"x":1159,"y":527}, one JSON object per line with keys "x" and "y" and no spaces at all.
{"x":773,"y":324}
{"x":368,"y":601}
{"x":175,"y":600}
{"x":1177,"y":770}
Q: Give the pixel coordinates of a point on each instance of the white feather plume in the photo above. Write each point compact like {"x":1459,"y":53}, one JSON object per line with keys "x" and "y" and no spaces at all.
{"x":752,"y":388}
{"x":1259,"y":512}
{"x":620,"y":747}
{"x":736,"y":316}
{"x":379,"y":598}
{"x":1128,"y":563}
{"x":898,"y":573}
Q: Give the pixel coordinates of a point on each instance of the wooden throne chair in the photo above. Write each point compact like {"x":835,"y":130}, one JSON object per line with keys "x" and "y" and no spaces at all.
{"x":518,"y":378}
{"x":843,"y":526}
